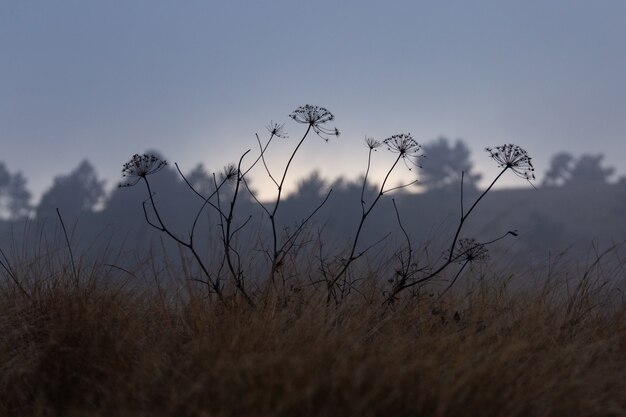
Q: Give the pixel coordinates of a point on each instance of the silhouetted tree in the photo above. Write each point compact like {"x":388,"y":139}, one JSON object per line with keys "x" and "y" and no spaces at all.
{"x":72,"y":194}
{"x":14,"y":197}
{"x":588,"y":169}
{"x":444,"y":164}
{"x":560,"y":170}
{"x":311,"y":188}
{"x":567,"y":170}
{"x":201,"y":180}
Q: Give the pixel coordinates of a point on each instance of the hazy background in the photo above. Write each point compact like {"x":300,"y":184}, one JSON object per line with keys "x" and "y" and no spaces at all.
{"x":196,"y":79}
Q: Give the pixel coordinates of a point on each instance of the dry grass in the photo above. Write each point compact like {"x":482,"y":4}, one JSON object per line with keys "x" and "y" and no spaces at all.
{"x":94,"y":350}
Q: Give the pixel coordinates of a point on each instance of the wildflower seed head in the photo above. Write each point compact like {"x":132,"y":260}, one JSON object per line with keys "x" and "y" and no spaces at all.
{"x":140,"y":166}
{"x":315,"y":117}
{"x":372,"y":143}
{"x":514,"y":158}
{"x":309,"y":114}
{"x":470,"y":250}
{"x":230,"y":173}
{"x":406,"y":146}
{"x":277,"y":129}
{"x":403,"y":144}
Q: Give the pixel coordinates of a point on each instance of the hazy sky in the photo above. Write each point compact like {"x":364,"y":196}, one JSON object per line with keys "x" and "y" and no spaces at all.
{"x":196,"y":79}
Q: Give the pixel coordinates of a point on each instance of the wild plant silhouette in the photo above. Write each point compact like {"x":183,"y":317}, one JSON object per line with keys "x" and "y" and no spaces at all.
{"x":336,"y":267}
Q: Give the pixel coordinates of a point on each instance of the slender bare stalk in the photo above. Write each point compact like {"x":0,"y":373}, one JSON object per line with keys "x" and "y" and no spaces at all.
{"x":69,"y":247}
{"x":405,"y":147}
{"x":189,"y":245}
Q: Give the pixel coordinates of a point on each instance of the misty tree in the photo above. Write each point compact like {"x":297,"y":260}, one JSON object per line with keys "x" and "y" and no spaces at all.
{"x":14,"y":196}
{"x":311,"y":188}
{"x":588,"y":169}
{"x":200,"y":179}
{"x":567,"y":170}
{"x":77,"y":192}
{"x":443,"y":164}
{"x":559,"y":171}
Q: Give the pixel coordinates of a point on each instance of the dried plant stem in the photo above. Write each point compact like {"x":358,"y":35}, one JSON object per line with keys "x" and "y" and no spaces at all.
{"x":364,"y":214}
{"x":6,"y":265}
{"x":69,"y":246}
{"x":276,"y":251}
{"x":211,"y":282}
{"x":228,"y":236}
{"x":464,"y":216}
{"x":403,"y":284}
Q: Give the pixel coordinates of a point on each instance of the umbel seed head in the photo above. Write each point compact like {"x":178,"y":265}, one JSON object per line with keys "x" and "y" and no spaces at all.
{"x":230,"y":172}
{"x":406,"y":146}
{"x":372,"y":143}
{"x":277,"y":129}
{"x":315,"y":116}
{"x":513,"y":157}
{"x":140,"y":166}
{"x":470,"y":250}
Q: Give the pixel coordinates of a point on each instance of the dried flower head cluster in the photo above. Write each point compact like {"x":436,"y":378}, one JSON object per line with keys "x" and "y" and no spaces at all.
{"x":315,"y":116}
{"x":470,"y":250}
{"x":277,"y":129}
{"x":140,"y":166}
{"x":514,"y":158}
{"x":230,"y":172}
{"x":372,"y":143}
{"x":406,"y":146}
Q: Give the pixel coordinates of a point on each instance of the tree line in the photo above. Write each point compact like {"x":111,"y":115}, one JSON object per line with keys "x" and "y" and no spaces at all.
{"x":82,"y":191}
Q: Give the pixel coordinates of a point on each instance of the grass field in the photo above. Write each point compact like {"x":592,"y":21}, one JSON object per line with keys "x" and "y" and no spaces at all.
{"x":99,"y":348}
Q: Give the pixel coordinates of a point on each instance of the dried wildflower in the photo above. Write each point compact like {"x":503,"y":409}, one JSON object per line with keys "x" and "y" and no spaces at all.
{"x":372,"y":143}
{"x":406,"y":146}
{"x":277,"y":129}
{"x":140,"y":166}
{"x":515,"y":158}
{"x":403,"y":144}
{"x":230,"y":172}
{"x":470,"y":250}
{"x":315,"y":116}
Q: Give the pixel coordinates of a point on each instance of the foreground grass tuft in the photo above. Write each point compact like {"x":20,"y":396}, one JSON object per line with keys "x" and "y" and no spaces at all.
{"x":93,"y":350}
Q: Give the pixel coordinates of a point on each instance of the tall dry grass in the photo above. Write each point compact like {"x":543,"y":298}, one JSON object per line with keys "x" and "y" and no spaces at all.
{"x":100,"y":348}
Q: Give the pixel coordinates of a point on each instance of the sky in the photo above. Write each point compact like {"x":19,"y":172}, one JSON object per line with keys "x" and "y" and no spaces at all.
{"x":196,"y":80}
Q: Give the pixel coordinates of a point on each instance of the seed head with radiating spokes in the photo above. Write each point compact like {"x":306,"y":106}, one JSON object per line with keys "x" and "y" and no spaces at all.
{"x":372,"y":143}
{"x":277,"y":129}
{"x":140,"y":166}
{"x":315,"y":116}
{"x":514,"y":158}
{"x":470,"y":250}
{"x":230,"y":172}
{"x":406,"y":146}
